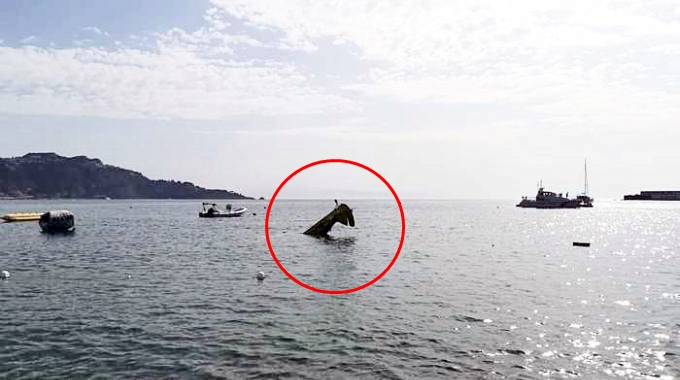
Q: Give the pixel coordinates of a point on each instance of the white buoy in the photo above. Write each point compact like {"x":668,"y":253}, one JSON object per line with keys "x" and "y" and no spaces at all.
{"x":260,"y":276}
{"x":4,"y":275}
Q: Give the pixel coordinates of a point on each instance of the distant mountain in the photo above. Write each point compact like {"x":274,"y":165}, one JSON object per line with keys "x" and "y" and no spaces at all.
{"x":48,"y":175}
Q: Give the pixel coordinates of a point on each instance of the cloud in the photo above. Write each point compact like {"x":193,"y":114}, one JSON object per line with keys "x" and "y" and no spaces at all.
{"x":412,"y":33}
{"x":172,"y":82}
{"x":28,"y":40}
{"x":551,"y":62}
{"x":95,"y":30}
{"x":587,"y":56}
{"x":178,"y":74}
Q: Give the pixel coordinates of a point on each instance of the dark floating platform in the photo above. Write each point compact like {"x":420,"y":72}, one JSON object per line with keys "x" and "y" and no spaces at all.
{"x":581,"y":244}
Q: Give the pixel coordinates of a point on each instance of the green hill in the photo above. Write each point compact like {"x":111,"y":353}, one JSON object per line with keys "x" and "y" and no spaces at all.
{"x":48,"y":175}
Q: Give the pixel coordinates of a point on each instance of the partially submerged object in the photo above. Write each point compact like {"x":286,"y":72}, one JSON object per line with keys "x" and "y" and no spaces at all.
{"x":22,"y":217}
{"x":4,"y":275}
{"x":57,"y":221}
{"x":340,"y":214}
{"x":214,"y":212}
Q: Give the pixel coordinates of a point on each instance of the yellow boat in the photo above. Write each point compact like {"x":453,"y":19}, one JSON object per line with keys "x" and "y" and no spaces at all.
{"x":22,"y":216}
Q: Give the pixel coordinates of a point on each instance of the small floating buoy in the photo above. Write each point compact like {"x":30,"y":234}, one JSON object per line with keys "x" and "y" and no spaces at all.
{"x":581,"y":244}
{"x":260,"y":276}
{"x":254,"y":214}
{"x":4,"y":275}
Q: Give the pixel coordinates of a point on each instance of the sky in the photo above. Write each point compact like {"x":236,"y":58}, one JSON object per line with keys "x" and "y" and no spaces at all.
{"x":445,"y":99}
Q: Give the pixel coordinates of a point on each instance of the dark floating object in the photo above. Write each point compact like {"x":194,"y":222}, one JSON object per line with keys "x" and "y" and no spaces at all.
{"x":340,"y":214}
{"x":581,"y":244}
{"x":59,"y":221}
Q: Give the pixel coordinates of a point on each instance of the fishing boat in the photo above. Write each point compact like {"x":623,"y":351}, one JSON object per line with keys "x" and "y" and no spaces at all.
{"x":212,"y":211}
{"x":59,"y":221}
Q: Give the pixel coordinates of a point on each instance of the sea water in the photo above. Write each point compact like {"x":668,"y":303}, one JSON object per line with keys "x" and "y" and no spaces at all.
{"x":481,"y":289}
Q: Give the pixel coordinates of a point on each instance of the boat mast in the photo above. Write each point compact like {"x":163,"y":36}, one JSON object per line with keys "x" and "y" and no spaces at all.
{"x":585,"y":170}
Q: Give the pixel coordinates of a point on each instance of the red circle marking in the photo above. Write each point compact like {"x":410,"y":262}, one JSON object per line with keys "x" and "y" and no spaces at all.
{"x":340,"y":291}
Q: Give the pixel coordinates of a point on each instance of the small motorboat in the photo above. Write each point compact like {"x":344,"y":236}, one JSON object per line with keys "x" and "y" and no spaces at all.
{"x":214,"y":212}
{"x":59,"y":221}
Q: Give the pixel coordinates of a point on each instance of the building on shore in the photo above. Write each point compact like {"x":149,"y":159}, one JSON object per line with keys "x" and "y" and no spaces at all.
{"x":654,"y":196}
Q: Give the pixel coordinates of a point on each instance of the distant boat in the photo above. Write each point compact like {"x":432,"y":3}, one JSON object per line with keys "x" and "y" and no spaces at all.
{"x":214,"y":212}
{"x":548,"y":199}
{"x":584,"y":198}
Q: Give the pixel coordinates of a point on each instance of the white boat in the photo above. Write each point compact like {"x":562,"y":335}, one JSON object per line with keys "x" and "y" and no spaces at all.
{"x":214,"y":212}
